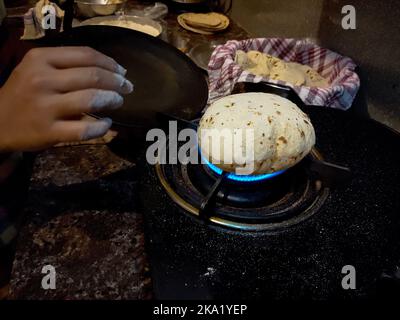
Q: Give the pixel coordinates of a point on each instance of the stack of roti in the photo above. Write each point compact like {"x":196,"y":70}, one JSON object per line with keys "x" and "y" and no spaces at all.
{"x":203,"y":23}
{"x":266,"y":65}
{"x":282,"y":134}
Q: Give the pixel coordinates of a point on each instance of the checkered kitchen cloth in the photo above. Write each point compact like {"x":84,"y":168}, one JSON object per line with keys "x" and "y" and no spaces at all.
{"x":224,"y":73}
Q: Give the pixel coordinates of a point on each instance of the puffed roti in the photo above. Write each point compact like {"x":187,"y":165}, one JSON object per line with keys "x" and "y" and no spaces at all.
{"x":283,"y":133}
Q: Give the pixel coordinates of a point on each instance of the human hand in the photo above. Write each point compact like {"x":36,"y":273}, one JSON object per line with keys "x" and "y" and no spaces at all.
{"x":42,"y":102}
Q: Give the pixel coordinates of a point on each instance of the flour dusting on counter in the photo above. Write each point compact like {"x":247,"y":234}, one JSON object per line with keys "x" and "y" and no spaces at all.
{"x":132,"y":25}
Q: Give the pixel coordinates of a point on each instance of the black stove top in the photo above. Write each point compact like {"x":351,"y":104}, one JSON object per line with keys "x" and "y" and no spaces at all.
{"x":285,"y":237}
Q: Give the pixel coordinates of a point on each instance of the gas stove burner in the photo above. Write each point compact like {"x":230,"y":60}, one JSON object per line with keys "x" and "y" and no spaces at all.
{"x":294,"y":242}
{"x":250,"y":203}
{"x":241,"y":178}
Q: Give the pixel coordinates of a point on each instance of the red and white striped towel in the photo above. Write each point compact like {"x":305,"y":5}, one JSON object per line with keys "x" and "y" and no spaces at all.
{"x":224,"y":73}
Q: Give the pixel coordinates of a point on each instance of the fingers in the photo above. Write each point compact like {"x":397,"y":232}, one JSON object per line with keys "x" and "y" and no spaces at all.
{"x":90,"y":78}
{"x":71,"y":131}
{"x":76,"y":57}
{"x":86,"y":101}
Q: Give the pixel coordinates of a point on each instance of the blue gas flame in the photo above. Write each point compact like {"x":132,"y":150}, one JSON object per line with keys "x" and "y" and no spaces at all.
{"x":243,"y":178}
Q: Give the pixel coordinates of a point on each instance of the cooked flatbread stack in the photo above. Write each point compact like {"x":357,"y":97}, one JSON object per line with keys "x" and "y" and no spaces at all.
{"x":203,"y":23}
{"x":266,"y":65}
{"x":282,"y":134}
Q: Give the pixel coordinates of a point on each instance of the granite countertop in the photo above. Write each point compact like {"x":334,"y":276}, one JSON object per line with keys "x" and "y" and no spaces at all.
{"x":81,"y":216}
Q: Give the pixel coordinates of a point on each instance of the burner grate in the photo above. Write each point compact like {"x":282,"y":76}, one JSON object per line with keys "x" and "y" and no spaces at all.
{"x":251,"y":203}
{"x":268,"y":204}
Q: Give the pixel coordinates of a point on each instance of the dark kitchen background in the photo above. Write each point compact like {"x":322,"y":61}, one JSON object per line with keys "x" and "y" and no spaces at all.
{"x":374,"y":45}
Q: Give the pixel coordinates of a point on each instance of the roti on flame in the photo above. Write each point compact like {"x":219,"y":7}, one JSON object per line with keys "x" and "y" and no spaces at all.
{"x":282,"y":133}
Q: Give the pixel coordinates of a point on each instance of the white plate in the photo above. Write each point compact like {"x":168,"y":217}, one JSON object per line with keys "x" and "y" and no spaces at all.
{"x":134,"y":19}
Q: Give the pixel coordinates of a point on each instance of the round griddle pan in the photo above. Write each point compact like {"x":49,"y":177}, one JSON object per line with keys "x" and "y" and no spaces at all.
{"x":165,"y":80}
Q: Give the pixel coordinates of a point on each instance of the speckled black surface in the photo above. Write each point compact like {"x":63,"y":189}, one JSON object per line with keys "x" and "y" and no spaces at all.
{"x":81,"y":217}
{"x":358,"y":225}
